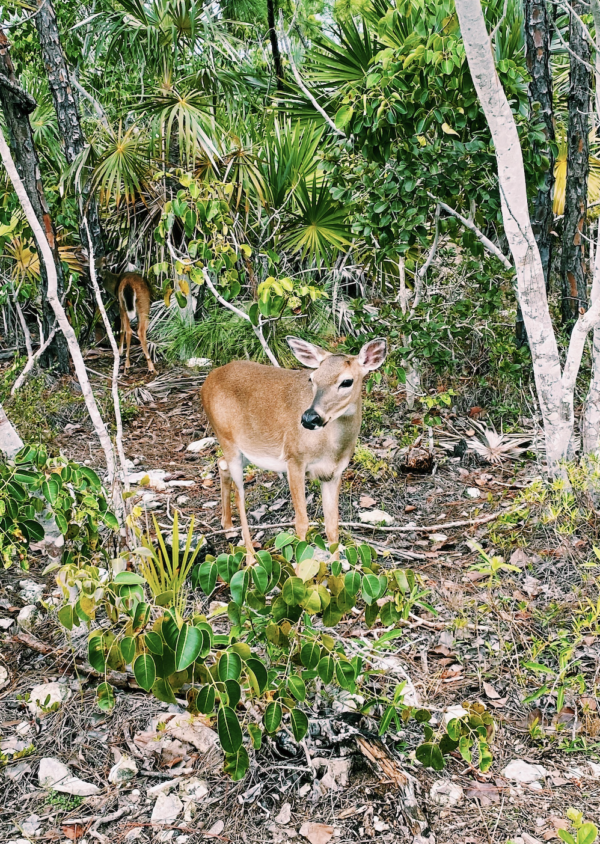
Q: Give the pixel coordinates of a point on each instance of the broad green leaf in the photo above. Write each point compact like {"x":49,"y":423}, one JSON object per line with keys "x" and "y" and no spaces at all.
{"x":259,"y":678}
{"x":587,"y":833}
{"x":128,"y":649}
{"x":65,"y":616}
{"x":105,"y":697}
{"x":299,"y":723}
{"x":238,"y":586}
{"x":308,"y":569}
{"x":163,"y":691}
{"x":326,"y":669}
{"x":272,"y":717}
{"x":255,"y":733}
{"x":310,"y":655}
{"x":50,"y":490}
{"x":260,"y":576}
{"x":283,"y":539}
{"x":234,"y":693}
{"x":293,"y":591}
{"x":297,"y":687}
{"x":344,"y":672}
{"x":566,"y":836}
{"x":352,"y":582}
{"x":33,"y":530}
{"x":96,"y":653}
{"x":206,"y":577}
{"x":430,"y":755}
{"x":170,"y":631}
{"x":230,"y":666}
{"x":229,"y":730}
{"x":129,"y":578}
{"x":206,"y":700}
{"x":144,"y":671}
{"x":241,"y":649}
{"x":189,"y":645}
{"x":236,"y":764}
{"x":154,"y":643}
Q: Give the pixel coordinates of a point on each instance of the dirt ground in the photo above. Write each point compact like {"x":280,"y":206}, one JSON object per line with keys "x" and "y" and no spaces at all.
{"x":473,"y":649}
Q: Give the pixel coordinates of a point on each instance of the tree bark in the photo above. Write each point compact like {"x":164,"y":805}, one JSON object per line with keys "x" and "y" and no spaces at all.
{"x":573,"y":266}
{"x":17,"y":105}
{"x":555,"y":390}
{"x":277,"y":63}
{"x":67,"y":112}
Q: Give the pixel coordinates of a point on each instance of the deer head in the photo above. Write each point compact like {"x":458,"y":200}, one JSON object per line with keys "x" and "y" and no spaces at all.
{"x":336,"y":380}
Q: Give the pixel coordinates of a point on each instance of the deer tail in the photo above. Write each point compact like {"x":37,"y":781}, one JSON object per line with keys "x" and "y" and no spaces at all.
{"x":129,"y":297}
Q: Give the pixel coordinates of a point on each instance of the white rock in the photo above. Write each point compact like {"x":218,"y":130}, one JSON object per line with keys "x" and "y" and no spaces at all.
{"x":153,"y":478}
{"x":181,"y":483}
{"x":394,"y":665}
{"x":166,"y":809}
{"x":31,"y":591}
{"x":3,"y":677}
{"x":285,"y":814}
{"x":193,"y":789}
{"x":473,"y":492}
{"x":183,"y":499}
{"x":201,"y":363}
{"x":45,"y":697}
{"x":27,"y":617}
{"x":31,"y":826}
{"x":6,"y":623}
{"x":446,"y":793}
{"x":524,"y":772}
{"x":454,"y":712}
{"x":375,"y":517}
{"x":57,"y":776}
{"x":217,"y":828}
{"x":201,"y":445}
{"x":161,"y":788}
{"x":123,"y":771}
{"x":595,"y":769}
{"x":438,"y":537}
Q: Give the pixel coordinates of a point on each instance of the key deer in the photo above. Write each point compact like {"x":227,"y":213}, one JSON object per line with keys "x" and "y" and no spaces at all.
{"x":131,"y":291}
{"x":289,"y":421}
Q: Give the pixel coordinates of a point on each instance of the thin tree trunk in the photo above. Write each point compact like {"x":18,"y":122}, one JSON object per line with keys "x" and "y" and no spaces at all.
{"x":17,"y":105}
{"x":47,"y":257}
{"x":277,"y":63}
{"x":10,"y":441}
{"x":537,"y":40}
{"x":555,"y":390}
{"x":67,"y":113}
{"x":573,"y":268}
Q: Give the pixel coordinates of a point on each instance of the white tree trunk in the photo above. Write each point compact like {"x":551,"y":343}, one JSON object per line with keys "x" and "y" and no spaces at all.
{"x":555,"y":390}
{"x":10,"y":441}
{"x":59,"y":311}
{"x":590,"y":422}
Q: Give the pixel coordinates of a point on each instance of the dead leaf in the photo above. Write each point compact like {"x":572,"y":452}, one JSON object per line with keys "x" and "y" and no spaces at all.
{"x":498,"y":704}
{"x":491,"y":691}
{"x":285,"y":814}
{"x":519,"y":558}
{"x":317,"y":833}
{"x":73,"y":831}
{"x":485,"y":792}
{"x":367,"y":501}
{"x":475,"y":412}
{"x":409,"y":508}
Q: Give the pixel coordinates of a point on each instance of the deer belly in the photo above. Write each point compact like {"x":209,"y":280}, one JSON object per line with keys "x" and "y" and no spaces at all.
{"x":268,"y":462}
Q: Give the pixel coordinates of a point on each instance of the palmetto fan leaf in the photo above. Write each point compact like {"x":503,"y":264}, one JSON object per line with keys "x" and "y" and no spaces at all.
{"x":288,"y":156}
{"x":183,"y":118}
{"x":120,"y":171}
{"x":318,"y":230}
{"x":560,"y":177}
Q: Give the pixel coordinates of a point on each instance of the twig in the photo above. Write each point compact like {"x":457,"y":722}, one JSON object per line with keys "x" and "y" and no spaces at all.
{"x":491,"y":247}
{"x":187,"y":829}
{"x":96,"y":105}
{"x":31,"y":362}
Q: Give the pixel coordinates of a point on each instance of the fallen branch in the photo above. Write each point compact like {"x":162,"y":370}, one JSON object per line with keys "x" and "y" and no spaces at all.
{"x":491,"y":247}
{"x":31,"y":362}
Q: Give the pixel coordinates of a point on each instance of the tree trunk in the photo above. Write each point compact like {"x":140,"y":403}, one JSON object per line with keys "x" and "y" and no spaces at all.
{"x":67,"y":113}
{"x":277,"y":63}
{"x":10,"y":441}
{"x":573,"y":268}
{"x":17,"y":105}
{"x":555,"y":390}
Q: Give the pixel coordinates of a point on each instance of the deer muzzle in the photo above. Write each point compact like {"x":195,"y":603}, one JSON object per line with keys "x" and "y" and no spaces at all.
{"x":311,"y":419}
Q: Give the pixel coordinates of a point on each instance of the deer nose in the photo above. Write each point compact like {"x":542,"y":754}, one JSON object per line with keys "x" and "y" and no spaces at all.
{"x":311,"y":419}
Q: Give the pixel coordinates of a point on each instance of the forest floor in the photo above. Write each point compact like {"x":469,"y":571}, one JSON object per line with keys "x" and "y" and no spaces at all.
{"x":490,"y":627}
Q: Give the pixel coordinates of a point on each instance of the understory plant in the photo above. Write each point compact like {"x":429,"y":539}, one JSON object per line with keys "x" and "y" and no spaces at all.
{"x":253,"y":659}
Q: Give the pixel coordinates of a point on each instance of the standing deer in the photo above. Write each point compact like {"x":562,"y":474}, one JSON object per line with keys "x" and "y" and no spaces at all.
{"x":286,"y":420}
{"x":131,"y":291}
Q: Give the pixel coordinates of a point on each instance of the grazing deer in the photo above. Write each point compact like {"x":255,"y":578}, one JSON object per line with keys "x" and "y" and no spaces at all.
{"x":133,"y":295}
{"x":287,"y":420}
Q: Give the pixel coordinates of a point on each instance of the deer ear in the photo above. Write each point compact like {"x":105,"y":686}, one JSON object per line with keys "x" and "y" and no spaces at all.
{"x":372,"y":354}
{"x":306,"y":353}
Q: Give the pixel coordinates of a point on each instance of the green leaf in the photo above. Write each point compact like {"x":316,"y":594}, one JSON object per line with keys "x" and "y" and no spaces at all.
{"x":206,"y":577}
{"x":310,"y":655}
{"x":189,"y":645}
{"x":128,"y":649}
{"x":105,"y":697}
{"x":229,"y":730}
{"x":65,"y":616}
{"x":238,"y":586}
{"x":485,"y":757}
{"x":206,"y":700}
{"x":272,"y":717}
{"x":154,"y":643}
{"x":566,"y":836}
{"x":587,"y":833}
{"x":299,"y":723}
{"x":344,"y":672}
{"x":234,"y":692}
{"x":255,"y":733}
{"x":293,"y":591}
{"x":465,"y":744}
{"x":352,"y":582}
{"x":430,"y":756}
{"x":283,"y":539}
{"x":326,"y":669}
{"x":33,"y":530}
{"x":170,"y":631}
{"x":343,"y":116}
{"x":386,"y":719}
{"x":230,"y":666}
{"x":297,"y":687}
{"x":144,"y":671}
{"x":50,"y":490}
{"x":260,"y":677}
{"x":163,"y":691}
{"x":236,"y":764}
{"x":370,"y":588}
{"x":261,"y":579}
{"x":96,"y":655}
{"x":130,"y":578}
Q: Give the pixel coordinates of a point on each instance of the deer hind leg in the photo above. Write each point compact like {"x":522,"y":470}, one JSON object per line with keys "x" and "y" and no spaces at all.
{"x":123,"y":317}
{"x":142,"y":328}
{"x":236,"y":471}
{"x":330,"y":491}
{"x":296,"y":480}
{"x":226,"y":485}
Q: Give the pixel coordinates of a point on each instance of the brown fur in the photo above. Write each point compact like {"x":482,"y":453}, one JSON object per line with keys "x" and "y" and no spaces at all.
{"x":256,"y":414}
{"x":117,"y":286}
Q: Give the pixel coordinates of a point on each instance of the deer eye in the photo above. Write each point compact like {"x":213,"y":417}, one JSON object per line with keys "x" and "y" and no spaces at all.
{"x":347,"y":383}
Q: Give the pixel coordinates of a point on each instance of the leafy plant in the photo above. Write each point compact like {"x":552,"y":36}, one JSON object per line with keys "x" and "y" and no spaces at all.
{"x":584,"y":832}
{"x":470,"y":734}
{"x":34,"y":489}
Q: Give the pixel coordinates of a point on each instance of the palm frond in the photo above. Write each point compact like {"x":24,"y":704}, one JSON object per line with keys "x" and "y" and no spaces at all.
{"x":319,"y":229}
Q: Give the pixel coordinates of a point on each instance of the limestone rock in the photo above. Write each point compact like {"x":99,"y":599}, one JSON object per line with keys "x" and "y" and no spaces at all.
{"x":446,"y":793}
{"x":47,"y":697}
{"x":166,"y":809}
{"x":123,"y":771}
{"x":376,"y":517}
{"x":523,"y":772}
{"x":56,"y":775}
{"x":201,"y":445}
{"x":27,"y":617}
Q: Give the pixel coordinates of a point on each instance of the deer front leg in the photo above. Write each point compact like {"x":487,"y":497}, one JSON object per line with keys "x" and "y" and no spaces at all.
{"x":143,"y":327}
{"x":226,"y":484}
{"x":330,"y":491}
{"x":296,"y":480}
{"x":236,"y":470}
